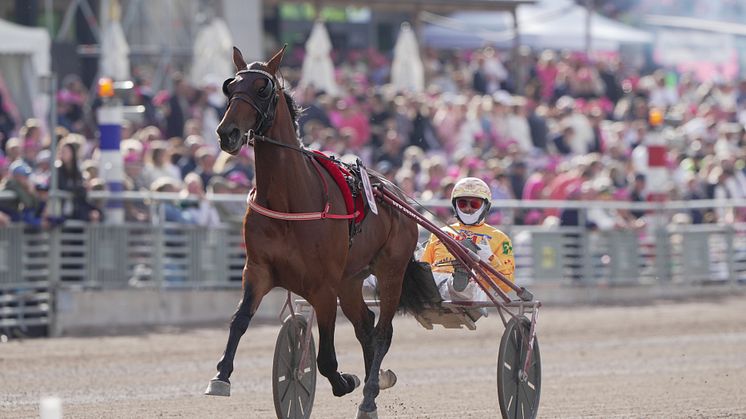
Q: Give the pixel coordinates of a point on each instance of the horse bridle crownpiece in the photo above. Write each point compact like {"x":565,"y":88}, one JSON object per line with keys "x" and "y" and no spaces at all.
{"x":264,"y":101}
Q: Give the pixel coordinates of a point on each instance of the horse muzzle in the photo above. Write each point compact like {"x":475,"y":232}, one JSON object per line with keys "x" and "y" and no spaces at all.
{"x":231,"y":139}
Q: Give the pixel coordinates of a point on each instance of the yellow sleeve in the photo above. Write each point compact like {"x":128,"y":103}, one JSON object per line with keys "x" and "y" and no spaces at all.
{"x":429,"y":253}
{"x":504,"y":260}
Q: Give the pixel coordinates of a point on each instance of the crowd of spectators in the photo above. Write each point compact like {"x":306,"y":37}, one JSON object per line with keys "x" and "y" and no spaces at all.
{"x":566,"y":127}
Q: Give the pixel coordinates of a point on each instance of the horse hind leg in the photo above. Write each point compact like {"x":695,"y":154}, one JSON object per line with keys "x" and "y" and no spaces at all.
{"x":390,"y":290}
{"x":325,"y":305}
{"x":254,"y":290}
{"x":362,"y":318}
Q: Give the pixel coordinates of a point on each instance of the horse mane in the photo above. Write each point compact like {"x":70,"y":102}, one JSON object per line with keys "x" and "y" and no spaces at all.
{"x":294,"y":110}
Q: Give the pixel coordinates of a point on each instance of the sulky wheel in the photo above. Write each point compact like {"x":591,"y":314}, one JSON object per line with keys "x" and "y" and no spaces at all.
{"x":293,"y":389}
{"x":518,"y":391}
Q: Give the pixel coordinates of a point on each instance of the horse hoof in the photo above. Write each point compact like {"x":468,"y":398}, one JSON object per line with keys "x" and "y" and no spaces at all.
{"x":218,"y":388}
{"x":355,"y":380}
{"x":367,"y":415}
{"x":386,"y":379}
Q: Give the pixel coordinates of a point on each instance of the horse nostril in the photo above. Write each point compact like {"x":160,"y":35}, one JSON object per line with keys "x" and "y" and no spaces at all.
{"x":235,"y":134}
{"x":225,"y":132}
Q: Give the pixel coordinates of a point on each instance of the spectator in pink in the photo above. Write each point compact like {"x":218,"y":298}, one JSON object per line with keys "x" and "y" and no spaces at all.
{"x":546,"y":72}
{"x":349,"y":115}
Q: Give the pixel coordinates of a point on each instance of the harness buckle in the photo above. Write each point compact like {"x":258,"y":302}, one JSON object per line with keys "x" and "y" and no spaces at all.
{"x":250,"y":138}
{"x":327,"y":207}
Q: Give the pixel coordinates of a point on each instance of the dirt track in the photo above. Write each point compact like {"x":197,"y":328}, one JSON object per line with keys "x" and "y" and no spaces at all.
{"x":682,"y":360}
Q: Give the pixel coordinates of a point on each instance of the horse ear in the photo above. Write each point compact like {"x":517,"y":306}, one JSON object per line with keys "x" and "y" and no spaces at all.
{"x":274,"y":63}
{"x":238,"y":60}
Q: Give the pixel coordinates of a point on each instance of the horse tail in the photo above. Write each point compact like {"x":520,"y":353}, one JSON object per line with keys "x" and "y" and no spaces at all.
{"x":418,"y":291}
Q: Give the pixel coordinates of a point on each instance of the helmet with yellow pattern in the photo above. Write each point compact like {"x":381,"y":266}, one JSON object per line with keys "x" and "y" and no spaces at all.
{"x":470,"y":199}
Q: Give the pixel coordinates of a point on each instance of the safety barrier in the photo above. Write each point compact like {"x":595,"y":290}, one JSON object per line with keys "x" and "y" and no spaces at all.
{"x":677,"y":254}
{"x":25,"y":296}
{"x":111,"y":256}
{"x":36,"y":263}
{"x":133,"y":254}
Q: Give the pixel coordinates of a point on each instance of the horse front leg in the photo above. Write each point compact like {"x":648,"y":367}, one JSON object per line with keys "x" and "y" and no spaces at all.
{"x":254,"y":289}
{"x":325,"y":305}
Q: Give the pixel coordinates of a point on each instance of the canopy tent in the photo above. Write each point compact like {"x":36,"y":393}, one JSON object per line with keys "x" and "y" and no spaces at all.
{"x":24,"y":57}
{"x":318,"y":68}
{"x":114,"y":60}
{"x":213,"y":49}
{"x":559,"y":24}
{"x":407,"y":71}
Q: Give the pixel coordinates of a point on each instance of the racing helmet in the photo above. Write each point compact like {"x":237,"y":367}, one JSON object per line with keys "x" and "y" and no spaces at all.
{"x":471,"y":187}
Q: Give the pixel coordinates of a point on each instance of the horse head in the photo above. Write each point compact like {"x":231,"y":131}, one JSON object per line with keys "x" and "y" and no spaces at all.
{"x":253,"y":94}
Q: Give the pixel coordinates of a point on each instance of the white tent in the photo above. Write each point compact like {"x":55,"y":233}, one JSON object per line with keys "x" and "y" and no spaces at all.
{"x":559,"y":24}
{"x":114,"y":61}
{"x":318,"y":68}
{"x":213,"y":49}
{"x":407,"y":71}
{"x":24,"y":57}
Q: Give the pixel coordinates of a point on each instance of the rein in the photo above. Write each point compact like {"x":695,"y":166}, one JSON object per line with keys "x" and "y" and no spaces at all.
{"x":251,"y":137}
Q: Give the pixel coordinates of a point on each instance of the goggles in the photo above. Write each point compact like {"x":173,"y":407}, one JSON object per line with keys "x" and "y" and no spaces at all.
{"x":474,"y":203}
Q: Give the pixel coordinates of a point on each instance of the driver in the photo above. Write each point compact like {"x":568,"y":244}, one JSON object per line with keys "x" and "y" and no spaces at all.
{"x":470,"y":199}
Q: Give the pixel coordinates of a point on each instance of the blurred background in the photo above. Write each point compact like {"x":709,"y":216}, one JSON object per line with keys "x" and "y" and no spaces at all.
{"x":610,"y":132}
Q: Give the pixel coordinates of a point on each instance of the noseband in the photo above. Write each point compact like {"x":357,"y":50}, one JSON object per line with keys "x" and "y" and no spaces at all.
{"x":263,"y":101}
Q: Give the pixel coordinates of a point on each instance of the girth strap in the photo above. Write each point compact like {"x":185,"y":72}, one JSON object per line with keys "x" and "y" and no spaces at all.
{"x":302,"y":216}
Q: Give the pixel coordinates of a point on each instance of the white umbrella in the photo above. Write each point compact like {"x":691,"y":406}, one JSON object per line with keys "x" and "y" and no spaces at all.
{"x":114,"y":60}
{"x":212,"y":53}
{"x":318,"y":68}
{"x":407,"y":71}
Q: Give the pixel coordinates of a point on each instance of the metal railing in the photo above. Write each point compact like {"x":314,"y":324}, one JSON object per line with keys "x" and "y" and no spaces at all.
{"x":34,"y":262}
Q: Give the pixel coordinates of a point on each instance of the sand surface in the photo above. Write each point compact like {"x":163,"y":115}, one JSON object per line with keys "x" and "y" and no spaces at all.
{"x":665,"y":360}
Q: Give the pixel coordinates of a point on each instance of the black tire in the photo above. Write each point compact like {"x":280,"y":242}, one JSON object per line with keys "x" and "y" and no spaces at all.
{"x":293,"y":391}
{"x":519,"y":399}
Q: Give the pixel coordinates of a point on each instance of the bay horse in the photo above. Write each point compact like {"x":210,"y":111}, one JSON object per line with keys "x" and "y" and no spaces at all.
{"x":314,"y":259}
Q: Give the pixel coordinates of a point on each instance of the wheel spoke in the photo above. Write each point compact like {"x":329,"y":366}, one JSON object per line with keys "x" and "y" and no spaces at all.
{"x":287,"y":351}
{"x":285,"y":402}
{"x":301,"y":409}
{"x":296,"y":400}
{"x":283,"y":387}
{"x":531,"y":385}
{"x":291,"y":331}
{"x":305,"y":387}
{"x":525,"y":396}
{"x":287,"y":366}
{"x":290,"y":409}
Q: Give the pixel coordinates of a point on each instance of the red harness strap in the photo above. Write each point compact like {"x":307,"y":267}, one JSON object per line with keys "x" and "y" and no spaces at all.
{"x":302,"y":216}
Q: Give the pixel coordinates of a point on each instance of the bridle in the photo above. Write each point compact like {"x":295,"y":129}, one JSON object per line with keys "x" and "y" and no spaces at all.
{"x":265,"y":107}
{"x":263,"y":101}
